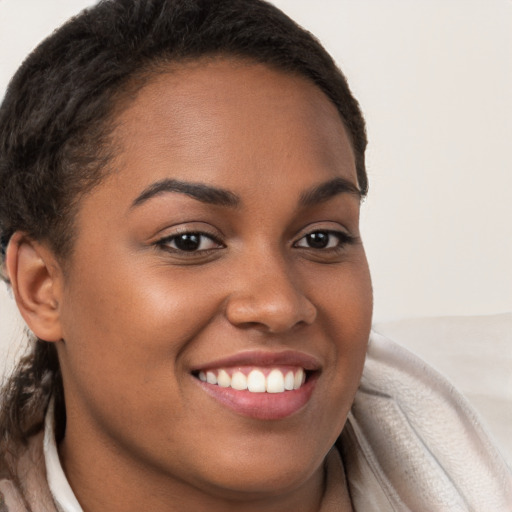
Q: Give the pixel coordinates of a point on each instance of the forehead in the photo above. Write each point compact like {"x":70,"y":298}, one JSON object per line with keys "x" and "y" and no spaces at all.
{"x":228,"y":114}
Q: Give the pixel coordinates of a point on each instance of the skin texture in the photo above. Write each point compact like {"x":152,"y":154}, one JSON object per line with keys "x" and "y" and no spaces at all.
{"x":132,"y":317}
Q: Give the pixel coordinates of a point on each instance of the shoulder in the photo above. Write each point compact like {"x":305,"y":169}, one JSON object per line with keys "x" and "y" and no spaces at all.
{"x":413,"y":437}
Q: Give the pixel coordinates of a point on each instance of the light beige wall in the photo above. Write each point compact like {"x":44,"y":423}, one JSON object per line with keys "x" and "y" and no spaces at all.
{"x":434,"y":79}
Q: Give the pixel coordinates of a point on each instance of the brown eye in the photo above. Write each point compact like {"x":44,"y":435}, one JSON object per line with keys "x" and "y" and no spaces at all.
{"x":190,"y":242}
{"x":323,"y":239}
{"x":318,"y":240}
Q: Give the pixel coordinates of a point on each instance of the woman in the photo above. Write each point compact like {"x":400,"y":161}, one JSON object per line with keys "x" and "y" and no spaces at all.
{"x":181,"y":183}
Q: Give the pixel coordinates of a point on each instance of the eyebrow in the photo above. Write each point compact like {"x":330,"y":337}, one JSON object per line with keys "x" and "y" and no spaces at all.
{"x":200,"y":191}
{"x":222,"y":197}
{"x":329,"y":189}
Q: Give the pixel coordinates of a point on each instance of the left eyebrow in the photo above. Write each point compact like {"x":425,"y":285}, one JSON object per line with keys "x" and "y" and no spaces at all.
{"x":199,"y":191}
{"x":327,"y":190}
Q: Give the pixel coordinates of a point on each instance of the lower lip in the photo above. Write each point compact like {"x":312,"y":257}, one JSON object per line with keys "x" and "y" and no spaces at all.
{"x":262,"y":406}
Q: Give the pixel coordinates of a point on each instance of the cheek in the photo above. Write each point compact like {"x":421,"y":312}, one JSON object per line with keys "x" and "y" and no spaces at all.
{"x":344,"y":299}
{"x":353,"y":317}
{"x":344,"y":303}
{"x":126,"y":331}
{"x":139,"y":301}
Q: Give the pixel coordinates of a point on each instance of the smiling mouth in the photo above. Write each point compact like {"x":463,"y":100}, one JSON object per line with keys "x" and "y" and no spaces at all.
{"x":261,"y":385}
{"x":256,"y":379}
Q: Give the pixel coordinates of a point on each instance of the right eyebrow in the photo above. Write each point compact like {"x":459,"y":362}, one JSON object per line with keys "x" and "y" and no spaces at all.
{"x":200,"y":191}
{"x":325,"y":191}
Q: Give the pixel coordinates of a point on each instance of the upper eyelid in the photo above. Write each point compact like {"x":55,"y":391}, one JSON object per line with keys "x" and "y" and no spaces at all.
{"x":334,"y":227}
{"x":340,"y":233}
{"x":190,"y":227}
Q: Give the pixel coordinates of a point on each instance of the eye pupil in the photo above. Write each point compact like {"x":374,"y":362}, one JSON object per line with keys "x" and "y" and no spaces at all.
{"x":188,"y":241}
{"x":318,"y":239}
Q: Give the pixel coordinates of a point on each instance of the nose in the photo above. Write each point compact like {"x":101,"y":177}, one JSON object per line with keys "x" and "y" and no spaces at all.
{"x":267,"y":297}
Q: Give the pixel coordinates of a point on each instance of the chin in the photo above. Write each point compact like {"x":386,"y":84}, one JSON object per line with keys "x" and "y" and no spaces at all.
{"x":254,"y":482}
{"x":257,"y":470}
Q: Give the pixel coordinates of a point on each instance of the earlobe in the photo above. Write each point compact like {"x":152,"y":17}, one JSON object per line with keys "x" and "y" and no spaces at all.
{"x":36,"y":279}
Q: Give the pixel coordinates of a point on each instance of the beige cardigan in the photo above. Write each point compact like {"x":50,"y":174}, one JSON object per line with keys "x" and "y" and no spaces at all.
{"x":411,"y":444}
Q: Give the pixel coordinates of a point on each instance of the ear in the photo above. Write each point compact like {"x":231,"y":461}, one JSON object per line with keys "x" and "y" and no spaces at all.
{"x":36,"y":280}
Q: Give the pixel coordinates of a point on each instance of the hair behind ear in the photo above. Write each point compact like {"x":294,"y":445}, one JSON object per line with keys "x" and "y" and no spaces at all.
{"x":25,"y":397}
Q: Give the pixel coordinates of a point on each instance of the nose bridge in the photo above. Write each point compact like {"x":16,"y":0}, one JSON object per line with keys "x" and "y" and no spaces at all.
{"x":267,"y":293}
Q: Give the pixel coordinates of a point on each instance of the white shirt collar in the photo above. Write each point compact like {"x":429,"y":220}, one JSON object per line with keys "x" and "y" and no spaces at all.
{"x":62,"y":493}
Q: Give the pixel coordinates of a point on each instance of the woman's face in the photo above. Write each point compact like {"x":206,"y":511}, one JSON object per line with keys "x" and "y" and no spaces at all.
{"x":223,"y":245}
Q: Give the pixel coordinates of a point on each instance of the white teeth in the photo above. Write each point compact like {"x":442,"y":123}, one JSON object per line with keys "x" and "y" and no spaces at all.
{"x":239,"y":381}
{"x":256,"y":382}
{"x":223,"y":379}
{"x":288,"y":381}
{"x":275,"y":382}
{"x":299,"y":379}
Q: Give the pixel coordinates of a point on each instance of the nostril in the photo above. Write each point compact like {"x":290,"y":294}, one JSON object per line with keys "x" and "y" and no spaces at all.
{"x":250,"y":325}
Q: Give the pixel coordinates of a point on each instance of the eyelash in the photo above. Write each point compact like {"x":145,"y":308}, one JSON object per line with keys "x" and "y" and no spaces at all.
{"x":166,"y":242}
{"x":343,"y":239}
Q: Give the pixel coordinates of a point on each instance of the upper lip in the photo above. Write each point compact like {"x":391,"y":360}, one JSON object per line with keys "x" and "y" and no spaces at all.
{"x":264,"y":359}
